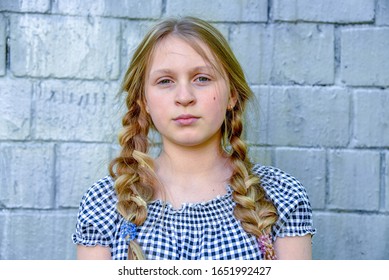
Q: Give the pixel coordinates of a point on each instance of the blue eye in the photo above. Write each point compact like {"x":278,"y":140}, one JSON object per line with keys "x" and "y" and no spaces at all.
{"x":203,"y":79}
{"x":164,"y":82}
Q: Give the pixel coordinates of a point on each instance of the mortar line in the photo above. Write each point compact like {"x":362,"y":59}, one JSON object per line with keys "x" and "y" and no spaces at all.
{"x":382,"y":190}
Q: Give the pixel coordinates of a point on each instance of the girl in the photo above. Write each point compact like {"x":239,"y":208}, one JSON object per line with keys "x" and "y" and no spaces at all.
{"x":201,"y":198}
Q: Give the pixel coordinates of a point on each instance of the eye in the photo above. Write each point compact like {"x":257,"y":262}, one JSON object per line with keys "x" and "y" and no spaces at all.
{"x":202,"y":79}
{"x":164,"y":82}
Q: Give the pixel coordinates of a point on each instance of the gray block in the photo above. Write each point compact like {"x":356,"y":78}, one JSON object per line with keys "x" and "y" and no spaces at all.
{"x":123,"y":8}
{"x":365,"y":56}
{"x":345,"y":11}
{"x":26,"y":175}
{"x":15,"y":109}
{"x":354,"y":180}
{"x":220,"y":10}
{"x":132,"y":32}
{"x":371,"y":118}
{"x":40,"y":235}
{"x":310,"y":117}
{"x":252,"y":46}
{"x":40,"y":6}
{"x":303,"y":54}
{"x":77,"y":111}
{"x":309,"y":167}
{"x":64,"y":47}
{"x":351,"y":236}
{"x":382,"y":12}
{"x":262,"y":155}
{"x":256,"y":126}
{"x":78,"y":166}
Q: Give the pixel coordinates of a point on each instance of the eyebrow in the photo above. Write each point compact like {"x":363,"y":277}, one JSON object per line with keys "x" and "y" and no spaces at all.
{"x":167,"y":71}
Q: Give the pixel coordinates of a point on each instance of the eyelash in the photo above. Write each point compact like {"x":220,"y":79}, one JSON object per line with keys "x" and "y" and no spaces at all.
{"x":164,"y":81}
{"x":199,"y":79}
{"x":203,"y":77}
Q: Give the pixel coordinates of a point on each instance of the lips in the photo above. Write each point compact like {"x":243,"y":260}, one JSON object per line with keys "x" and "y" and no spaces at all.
{"x":186,"y":119}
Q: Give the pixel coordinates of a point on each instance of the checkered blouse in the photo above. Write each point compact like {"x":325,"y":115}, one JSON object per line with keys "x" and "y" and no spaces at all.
{"x":206,"y":230}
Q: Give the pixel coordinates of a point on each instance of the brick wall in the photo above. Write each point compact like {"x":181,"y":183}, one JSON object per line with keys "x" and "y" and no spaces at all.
{"x":319,"y":70}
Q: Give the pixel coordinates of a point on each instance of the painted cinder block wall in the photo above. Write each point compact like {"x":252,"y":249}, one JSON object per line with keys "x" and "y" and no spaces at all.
{"x":319,"y":70}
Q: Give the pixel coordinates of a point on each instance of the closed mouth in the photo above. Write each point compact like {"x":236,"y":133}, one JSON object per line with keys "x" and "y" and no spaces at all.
{"x":186,"y":119}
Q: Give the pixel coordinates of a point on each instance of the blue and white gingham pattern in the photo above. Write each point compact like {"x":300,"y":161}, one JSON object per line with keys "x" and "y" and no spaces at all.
{"x":206,"y":230}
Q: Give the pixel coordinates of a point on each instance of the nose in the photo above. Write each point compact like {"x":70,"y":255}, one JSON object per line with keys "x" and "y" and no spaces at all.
{"x":185,"y":95}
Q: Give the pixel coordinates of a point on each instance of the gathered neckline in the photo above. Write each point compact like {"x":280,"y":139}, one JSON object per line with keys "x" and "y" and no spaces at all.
{"x":194,"y":205}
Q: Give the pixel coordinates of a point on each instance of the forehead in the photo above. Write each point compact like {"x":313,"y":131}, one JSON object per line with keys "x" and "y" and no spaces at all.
{"x":192,"y":48}
{"x":173,"y":47}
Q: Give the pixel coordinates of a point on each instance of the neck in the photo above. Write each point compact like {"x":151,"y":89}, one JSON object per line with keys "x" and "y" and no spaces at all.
{"x":191,"y":161}
{"x":191,"y":174}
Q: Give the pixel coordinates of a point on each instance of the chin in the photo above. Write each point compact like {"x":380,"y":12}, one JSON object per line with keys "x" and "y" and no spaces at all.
{"x":195,"y":141}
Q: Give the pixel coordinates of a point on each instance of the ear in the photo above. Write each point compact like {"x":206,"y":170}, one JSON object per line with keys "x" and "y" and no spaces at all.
{"x":232,"y":100}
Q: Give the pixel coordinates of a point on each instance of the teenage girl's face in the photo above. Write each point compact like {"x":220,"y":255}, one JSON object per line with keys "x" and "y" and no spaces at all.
{"x":186,"y":97}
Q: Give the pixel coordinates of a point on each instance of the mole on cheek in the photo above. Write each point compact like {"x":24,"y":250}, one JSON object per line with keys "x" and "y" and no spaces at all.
{"x":214,"y":98}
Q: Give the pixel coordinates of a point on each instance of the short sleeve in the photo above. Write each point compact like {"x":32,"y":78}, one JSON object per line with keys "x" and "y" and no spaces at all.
{"x":291,"y":200}
{"x":97,"y":217}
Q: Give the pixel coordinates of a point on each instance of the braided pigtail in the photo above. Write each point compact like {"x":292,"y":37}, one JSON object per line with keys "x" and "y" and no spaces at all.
{"x":255,"y":212}
{"x":134,"y":175}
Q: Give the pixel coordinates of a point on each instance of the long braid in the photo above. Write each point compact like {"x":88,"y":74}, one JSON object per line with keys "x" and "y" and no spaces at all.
{"x":133,"y":174}
{"x":255,"y":212}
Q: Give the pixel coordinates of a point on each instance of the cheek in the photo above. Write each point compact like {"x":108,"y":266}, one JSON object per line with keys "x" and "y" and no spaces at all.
{"x":153,"y":110}
{"x":221,"y":95}
{"x":152,"y":102}
{"x":156,"y":120}
{"x":155,"y":113}
{"x":218,"y":107}
{"x":219,"y":102}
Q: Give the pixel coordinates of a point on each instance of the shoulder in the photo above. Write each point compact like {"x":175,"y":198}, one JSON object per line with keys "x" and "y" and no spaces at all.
{"x":100,"y":194}
{"x":290,"y":198}
{"x":99,"y":202}
{"x":97,"y":217}
{"x":278,"y":184}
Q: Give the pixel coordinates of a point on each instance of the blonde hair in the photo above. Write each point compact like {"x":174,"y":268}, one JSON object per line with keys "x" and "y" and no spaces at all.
{"x":133,"y":169}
